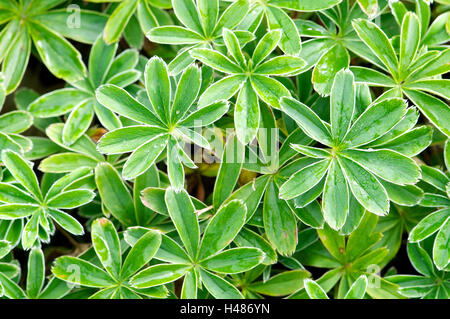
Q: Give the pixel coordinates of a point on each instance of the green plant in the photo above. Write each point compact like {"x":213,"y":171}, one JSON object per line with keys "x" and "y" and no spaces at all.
{"x":234,"y":149}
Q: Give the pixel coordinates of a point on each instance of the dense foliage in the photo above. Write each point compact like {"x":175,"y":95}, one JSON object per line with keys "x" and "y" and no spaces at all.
{"x":224,"y":149}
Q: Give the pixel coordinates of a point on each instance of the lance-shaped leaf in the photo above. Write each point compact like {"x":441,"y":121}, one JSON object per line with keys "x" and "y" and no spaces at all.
{"x":66,"y":221}
{"x":441,"y":250}
{"x":230,"y":168}
{"x":107,"y":246}
{"x":216,"y":60}
{"x":234,"y":260}
{"x":118,"y":100}
{"x":186,"y":93}
{"x":78,"y":271}
{"x":378,"y":43}
{"x":314,"y":290}
{"x":36,"y":272}
{"x":246,"y":114}
{"x":135,"y":136}
{"x":376,"y":121}
{"x":279,"y":221}
{"x":429,"y":225}
{"x":114,"y":193}
{"x":304,"y":179}
{"x":365,"y":187}
{"x":159,"y":275}
{"x":342,"y":104}
{"x":218,"y":287}
{"x":118,"y":20}
{"x":157,"y":83}
{"x":310,"y":123}
{"x":144,"y":157}
{"x":182,"y":212}
{"x":335,"y":200}
{"x":60,"y":57}
{"x":141,"y":253}
{"x":216,"y":237}
{"x":409,"y":41}
{"x":22,"y":172}
{"x":57,"y":103}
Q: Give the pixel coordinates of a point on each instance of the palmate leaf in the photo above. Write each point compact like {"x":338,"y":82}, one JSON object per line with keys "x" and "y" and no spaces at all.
{"x":252,"y":83}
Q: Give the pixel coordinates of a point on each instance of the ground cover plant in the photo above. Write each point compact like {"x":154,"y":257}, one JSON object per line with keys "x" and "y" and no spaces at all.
{"x":220,"y":149}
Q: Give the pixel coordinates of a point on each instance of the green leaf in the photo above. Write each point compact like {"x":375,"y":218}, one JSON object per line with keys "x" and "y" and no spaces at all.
{"x":5,"y":248}
{"x":60,"y":57}
{"x":141,"y":253}
{"x":420,"y":260}
{"x":206,"y":115}
{"x":159,"y":275}
{"x":13,"y":195}
{"x":376,"y":121}
{"x":218,"y":287}
{"x":304,"y":179}
{"x":434,"y":109}
{"x":57,"y":102}
{"x":281,"y":284}
{"x":64,"y":21}
{"x":14,"y":211}
{"x":157,"y":83}
{"x":36,"y":272}
{"x":378,"y":43}
{"x":22,"y":172}
{"x":371,"y":77}
{"x":10,"y":288}
{"x":246,"y":114}
{"x":135,"y":136}
{"x":309,"y":122}
{"x":174,"y":35}
{"x":290,"y":38}
{"x":66,"y":162}
{"x":232,"y":44}
{"x":248,"y":238}
{"x":107,"y":246}
{"x":269,"y":90}
{"x":230,"y":168}
{"x":189,"y":289}
{"x":118,"y":100}
{"x":114,"y":194}
{"x":216,"y":60}
{"x":266,"y":45}
{"x":278,"y":217}
{"x":386,"y":164}
{"x":342,"y":104}
{"x":78,"y":271}
{"x":365,"y":187}
{"x":182,"y":212}
{"x":187,"y":13}
{"x":222,"y":90}
{"x":328,"y":66}
{"x":216,"y":237}
{"x":409,"y":42}
{"x":335,"y":201}
{"x":118,"y":20}
{"x":100,"y":61}
{"x":358,"y":288}
{"x":186,"y":93}
{"x":144,"y":157}
{"x":16,"y":60}
{"x":71,"y":199}
{"x":429,"y":225}
{"x":314,"y":290}
{"x":233,"y":261}
{"x":66,"y":221}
